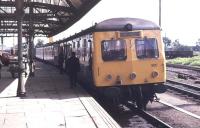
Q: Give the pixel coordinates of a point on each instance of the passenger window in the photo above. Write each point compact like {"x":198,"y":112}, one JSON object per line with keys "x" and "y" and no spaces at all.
{"x":146,"y":48}
{"x":113,"y":50}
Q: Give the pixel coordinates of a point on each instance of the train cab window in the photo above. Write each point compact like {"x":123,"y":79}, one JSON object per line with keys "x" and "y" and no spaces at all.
{"x":113,"y":50}
{"x":146,"y":48}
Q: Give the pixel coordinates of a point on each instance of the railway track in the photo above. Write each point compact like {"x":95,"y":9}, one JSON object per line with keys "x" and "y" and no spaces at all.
{"x":185,"y":72}
{"x":184,"y":67}
{"x":148,"y":117}
{"x":138,"y":118}
{"x":128,"y":115}
{"x":179,"y":109}
{"x":188,"y":89}
{"x":132,"y":117}
{"x":186,"y":75}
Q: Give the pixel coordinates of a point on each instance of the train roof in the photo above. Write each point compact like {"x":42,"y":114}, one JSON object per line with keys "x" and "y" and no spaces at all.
{"x":115,"y":24}
{"x":121,"y":24}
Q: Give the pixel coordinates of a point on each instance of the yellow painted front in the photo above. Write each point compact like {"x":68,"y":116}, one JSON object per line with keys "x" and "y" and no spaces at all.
{"x":143,"y":68}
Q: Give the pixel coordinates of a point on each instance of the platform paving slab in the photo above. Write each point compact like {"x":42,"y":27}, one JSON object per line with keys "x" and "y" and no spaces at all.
{"x":50,"y":103}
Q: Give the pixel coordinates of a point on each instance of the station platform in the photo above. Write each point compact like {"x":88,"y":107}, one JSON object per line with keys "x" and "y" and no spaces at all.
{"x":50,"y":103}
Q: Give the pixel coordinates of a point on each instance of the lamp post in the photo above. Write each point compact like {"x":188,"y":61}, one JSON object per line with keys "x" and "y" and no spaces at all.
{"x":19,"y":4}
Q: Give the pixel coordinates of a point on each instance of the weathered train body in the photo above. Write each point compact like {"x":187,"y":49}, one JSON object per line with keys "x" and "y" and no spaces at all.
{"x":122,"y":58}
{"x":169,"y":54}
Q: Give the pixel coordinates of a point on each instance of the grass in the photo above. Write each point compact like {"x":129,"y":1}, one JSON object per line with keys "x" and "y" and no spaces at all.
{"x":193,"y":61}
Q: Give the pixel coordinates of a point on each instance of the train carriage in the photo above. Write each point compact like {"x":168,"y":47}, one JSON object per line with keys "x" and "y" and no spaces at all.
{"x":39,"y":53}
{"x":121,"y":58}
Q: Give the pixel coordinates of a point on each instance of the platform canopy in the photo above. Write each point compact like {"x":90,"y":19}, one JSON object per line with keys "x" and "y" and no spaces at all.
{"x":42,"y":17}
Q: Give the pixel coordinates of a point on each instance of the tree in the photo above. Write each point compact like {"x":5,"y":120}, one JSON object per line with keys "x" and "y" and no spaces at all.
{"x":197,"y":47}
{"x":167,"y":41}
{"x":198,"y":42}
{"x":176,"y":44}
{"x":40,"y":43}
{"x":179,"y":47}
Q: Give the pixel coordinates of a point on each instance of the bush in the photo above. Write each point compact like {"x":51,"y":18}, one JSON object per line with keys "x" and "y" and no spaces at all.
{"x":194,"y":61}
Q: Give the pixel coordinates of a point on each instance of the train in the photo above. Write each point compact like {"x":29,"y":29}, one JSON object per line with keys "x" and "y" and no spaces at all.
{"x":122,"y":59}
{"x":170,"y":54}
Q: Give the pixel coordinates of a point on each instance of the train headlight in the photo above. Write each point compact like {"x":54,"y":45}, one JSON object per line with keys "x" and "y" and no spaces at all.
{"x":132,"y":76}
{"x":154,"y":74}
{"x":109,"y":77}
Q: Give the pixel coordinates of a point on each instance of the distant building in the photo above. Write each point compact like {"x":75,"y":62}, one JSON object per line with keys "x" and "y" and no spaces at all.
{"x":4,"y":48}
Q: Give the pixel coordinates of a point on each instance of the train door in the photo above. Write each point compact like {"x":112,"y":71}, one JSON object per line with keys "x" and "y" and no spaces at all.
{"x":55,"y":50}
{"x":67,"y":53}
{"x":89,"y":68}
{"x":42,"y":53}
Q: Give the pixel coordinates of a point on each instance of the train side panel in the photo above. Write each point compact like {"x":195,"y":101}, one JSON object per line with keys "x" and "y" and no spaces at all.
{"x":39,"y":53}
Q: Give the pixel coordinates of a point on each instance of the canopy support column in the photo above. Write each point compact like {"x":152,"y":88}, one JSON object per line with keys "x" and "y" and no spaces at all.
{"x":1,"y":44}
{"x":21,"y":92}
{"x":31,"y":39}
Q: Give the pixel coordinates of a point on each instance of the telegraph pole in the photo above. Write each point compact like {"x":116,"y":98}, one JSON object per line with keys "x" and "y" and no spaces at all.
{"x":19,"y":4}
{"x":160,"y":5}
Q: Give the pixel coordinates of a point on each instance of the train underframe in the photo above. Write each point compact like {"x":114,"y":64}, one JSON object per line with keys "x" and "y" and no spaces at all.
{"x":140,"y":95}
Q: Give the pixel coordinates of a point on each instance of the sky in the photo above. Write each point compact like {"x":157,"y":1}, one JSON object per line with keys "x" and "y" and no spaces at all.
{"x":180,"y":19}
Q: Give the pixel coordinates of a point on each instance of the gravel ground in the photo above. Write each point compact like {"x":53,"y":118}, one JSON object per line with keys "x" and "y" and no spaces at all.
{"x":173,"y":117}
{"x":192,"y":72}
{"x":173,"y":75}
{"x":125,"y":117}
{"x":129,"y":120}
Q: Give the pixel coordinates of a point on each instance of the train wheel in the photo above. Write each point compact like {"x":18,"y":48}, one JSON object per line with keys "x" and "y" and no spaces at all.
{"x":115,"y":101}
{"x":140,"y":99}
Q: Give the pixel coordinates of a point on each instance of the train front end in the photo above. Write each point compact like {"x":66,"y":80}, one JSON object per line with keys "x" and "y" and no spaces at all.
{"x":129,"y":62}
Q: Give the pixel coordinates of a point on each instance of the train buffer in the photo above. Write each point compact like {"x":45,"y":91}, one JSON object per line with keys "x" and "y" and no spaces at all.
{"x":50,"y":103}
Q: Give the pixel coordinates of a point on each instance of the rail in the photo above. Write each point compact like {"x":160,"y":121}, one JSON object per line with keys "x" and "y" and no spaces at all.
{"x":148,"y":117}
{"x":184,"y":84}
{"x":179,"y":109}
{"x":185,"y":74}
{"x":183,"y":66}
{"x":183,"y":90}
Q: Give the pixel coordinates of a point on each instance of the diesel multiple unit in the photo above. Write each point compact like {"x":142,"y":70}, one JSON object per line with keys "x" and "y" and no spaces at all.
{"x":122,"y":58}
